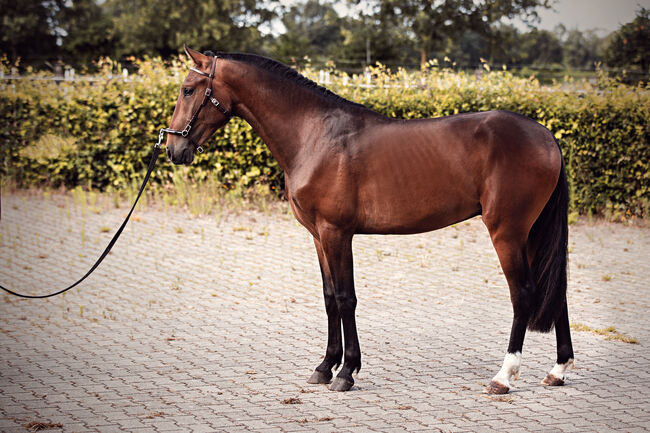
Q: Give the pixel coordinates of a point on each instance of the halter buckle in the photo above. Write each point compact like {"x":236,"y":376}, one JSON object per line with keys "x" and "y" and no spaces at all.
{"x":199,"y":149}
{"x":208,"y":91}
{"x":186,"y":131}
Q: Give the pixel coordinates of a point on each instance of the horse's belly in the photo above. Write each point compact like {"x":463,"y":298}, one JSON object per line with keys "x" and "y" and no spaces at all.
{"x":398,"y":210}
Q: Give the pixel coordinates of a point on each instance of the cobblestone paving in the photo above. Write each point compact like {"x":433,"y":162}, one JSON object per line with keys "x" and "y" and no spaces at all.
{"x":215,"y":324}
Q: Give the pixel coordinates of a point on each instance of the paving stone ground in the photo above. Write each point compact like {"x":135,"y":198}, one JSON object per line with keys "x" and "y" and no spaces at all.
{"x":215,"y":323}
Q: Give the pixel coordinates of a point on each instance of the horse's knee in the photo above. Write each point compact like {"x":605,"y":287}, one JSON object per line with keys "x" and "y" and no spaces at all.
{"x":346,"y":304}
{"x":331,"y":307}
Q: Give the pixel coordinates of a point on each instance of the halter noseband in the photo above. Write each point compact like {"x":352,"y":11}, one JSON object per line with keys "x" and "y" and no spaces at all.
{"x":206,"y":97}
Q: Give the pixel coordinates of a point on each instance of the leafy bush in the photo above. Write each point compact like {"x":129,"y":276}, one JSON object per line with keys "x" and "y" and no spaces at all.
{"x":100,"y":134}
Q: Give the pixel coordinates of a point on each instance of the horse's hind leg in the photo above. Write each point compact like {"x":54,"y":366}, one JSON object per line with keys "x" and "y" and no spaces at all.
{"x":564,"y":350}
{"x":512,"y":255}
{"x":334,"y":352}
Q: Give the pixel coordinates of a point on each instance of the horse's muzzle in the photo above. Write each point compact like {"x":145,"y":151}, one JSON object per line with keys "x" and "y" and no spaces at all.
{"x":182,"y":156}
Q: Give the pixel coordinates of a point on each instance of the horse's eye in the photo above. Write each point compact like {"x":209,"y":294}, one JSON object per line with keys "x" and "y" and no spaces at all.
{"x":187,"y":91}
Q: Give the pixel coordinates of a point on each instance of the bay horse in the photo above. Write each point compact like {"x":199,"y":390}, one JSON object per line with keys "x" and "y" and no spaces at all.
{"x":351,"y":170}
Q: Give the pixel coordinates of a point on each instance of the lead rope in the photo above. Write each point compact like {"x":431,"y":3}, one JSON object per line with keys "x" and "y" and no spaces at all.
{"x":152,"y":163}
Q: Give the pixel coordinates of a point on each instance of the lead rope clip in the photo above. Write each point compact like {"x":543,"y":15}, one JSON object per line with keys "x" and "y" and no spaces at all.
{"x":161,"y":135}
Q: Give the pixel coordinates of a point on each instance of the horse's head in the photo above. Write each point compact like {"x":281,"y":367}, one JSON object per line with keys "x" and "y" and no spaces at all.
{"x":201,"y":109}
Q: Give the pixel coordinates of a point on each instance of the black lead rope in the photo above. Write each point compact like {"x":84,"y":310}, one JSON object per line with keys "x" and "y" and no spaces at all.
{"x":152,"y":163}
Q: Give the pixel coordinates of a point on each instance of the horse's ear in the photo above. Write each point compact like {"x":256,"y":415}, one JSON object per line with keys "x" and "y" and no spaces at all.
{"x":198,"y":58}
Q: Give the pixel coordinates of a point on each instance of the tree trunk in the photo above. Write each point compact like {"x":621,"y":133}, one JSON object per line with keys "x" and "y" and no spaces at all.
{"x":367,"y":50}
{"x":423,"y":57}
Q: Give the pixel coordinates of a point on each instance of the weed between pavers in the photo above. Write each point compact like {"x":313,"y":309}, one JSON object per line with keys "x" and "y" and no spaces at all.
{"x":152,"y":415}
{"x":291,"y":400}
{"x":610,"y":333}
{"x":322,"y":419}
{"x":39,"y":425}
{"x":500,"y":398}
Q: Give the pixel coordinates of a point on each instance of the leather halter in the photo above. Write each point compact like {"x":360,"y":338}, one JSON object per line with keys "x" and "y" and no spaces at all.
{"x":206,"y":97}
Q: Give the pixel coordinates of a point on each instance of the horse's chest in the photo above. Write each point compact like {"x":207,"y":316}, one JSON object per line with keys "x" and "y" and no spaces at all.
{"x":318,"y":199}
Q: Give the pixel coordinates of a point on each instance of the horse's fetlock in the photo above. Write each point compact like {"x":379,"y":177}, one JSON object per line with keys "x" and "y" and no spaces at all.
{"x":333,"y":358}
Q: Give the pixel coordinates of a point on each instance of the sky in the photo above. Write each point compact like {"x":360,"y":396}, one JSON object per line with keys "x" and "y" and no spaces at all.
{"x":605,"y":15}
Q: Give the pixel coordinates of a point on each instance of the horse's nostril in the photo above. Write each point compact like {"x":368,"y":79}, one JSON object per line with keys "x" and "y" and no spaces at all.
{"x":169,"y":153}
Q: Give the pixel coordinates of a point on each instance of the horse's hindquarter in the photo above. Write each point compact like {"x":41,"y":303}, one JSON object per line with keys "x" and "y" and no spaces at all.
{"x":416,"y":176}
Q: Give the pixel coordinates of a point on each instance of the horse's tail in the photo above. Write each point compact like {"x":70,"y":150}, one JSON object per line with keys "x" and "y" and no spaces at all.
{"x":548,"y":239}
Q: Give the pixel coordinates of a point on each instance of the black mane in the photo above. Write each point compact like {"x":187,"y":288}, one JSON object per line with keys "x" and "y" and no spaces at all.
{"x":284,"y":71}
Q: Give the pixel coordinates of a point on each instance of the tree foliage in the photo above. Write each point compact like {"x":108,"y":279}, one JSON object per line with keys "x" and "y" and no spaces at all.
{"x":87,"y":32}
{"x":26,"y":27}
{"x":312,"y":28}
{"x":394,"y":32}
{"x":630,"y":45}
{"x":162,"y":26}
{"x":435,"y":23}
{"x":580,"y":49}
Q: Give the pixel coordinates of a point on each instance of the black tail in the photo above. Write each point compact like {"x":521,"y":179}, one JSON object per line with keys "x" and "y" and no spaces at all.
{"x":549,"y":239}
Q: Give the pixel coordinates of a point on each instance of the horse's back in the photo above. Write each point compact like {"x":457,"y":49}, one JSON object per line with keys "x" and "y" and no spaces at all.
{"x":420,"y":175}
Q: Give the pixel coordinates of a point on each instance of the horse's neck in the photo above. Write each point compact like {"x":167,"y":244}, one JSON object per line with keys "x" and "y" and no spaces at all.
{"x":284,"y":114}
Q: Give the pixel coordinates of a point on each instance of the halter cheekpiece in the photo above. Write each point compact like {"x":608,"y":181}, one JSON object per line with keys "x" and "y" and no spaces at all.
{"x":206,"y":97}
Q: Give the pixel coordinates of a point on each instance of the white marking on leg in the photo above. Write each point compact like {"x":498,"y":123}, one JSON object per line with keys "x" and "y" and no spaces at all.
{"x":509,"y":369}
{"x":559,"y":369}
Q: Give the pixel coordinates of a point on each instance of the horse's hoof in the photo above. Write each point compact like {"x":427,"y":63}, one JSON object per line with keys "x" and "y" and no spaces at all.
{"x":320,"y":377}
{"x":341,"y":384}
{"x":551,"y":380}
{"x":496,"y":388}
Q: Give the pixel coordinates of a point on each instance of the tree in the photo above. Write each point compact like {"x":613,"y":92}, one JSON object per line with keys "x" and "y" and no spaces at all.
{"x":489,"y":13}
{"x":629,"y":46}
{"x":431,"y":22}
{"x":27,"y":30}
{"x":436,"y":23}
{"x":540,"y":48}
{"x":367,"y":40}
{"x":313,"y":28}
{"x":163,"y":26}
{"x":87,"y":31}
{"x":581,"y":49}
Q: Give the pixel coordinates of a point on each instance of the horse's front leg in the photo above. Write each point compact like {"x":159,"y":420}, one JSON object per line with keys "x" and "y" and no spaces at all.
{"x":334,"y":352}
{"x":337,"y":252}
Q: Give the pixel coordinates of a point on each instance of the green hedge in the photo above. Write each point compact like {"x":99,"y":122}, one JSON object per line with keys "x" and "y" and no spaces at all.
{"x":100,"y":134}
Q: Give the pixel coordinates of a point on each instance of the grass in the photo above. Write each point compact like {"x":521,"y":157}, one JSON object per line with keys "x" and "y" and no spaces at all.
{"x":199,"y":198}
{"x":610,"y":333}
{"x":208,"y":197}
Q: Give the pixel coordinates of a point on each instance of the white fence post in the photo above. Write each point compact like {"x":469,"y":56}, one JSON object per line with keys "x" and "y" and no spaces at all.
{"x":68,"y":74}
